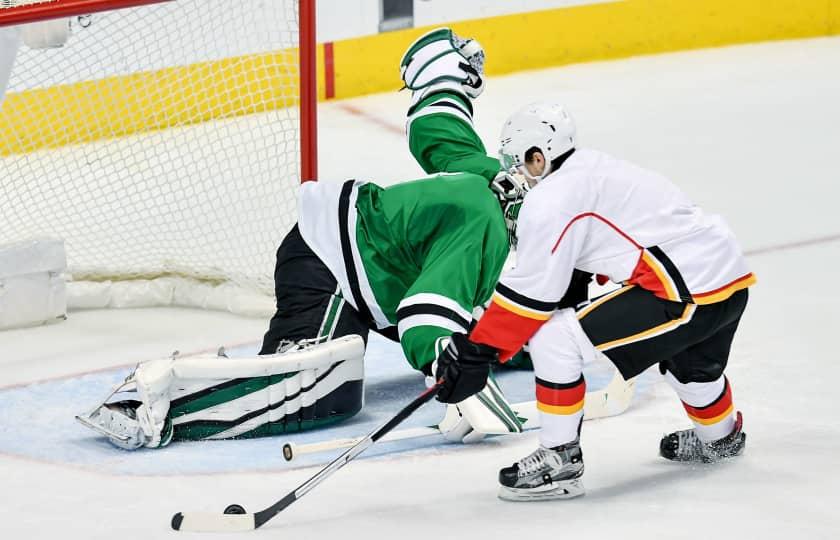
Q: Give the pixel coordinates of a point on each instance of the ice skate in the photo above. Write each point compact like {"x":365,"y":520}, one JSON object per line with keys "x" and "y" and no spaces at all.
{"x":548,"y":473}
{"x":685,"y":445}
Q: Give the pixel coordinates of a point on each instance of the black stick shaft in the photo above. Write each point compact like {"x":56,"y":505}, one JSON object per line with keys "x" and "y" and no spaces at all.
{"x":264,"y":515}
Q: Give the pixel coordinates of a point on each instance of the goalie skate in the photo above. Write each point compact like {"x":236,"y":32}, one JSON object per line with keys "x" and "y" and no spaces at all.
{"x":685,"y":445}
{"x":547,"y":473}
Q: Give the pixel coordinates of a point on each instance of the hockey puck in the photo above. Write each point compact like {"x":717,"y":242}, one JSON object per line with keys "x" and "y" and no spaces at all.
{"x":235,"y":509}
{"x":288,"y":454}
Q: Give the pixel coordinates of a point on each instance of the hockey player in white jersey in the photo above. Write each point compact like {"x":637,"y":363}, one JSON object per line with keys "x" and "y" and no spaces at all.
{"x":684,"y":290}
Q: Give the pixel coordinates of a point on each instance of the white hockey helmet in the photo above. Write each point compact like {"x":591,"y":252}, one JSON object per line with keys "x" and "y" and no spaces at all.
{"x":441,"y":57}
{"x":544,"y":125}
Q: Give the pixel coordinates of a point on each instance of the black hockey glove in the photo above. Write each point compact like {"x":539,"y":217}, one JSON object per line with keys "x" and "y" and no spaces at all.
{"x":464,"y":367}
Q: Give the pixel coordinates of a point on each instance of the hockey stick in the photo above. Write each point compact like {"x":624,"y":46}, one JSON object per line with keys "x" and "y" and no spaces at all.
{"x":611,"y":400}
{"x":240,"y":521}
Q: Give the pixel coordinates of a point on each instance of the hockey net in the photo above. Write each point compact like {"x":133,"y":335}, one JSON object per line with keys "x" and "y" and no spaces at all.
{"x":160,"y":142}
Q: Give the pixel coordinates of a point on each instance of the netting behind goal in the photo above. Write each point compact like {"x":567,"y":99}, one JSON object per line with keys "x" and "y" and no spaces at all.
{"x":159,"y":140}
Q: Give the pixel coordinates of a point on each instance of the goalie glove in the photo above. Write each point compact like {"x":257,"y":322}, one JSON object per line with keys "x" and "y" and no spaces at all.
{"x":440,"y":59}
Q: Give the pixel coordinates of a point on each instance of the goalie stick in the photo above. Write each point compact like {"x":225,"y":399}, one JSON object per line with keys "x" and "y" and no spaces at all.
{"x":609,"y":401}
{"x":231,"y":522}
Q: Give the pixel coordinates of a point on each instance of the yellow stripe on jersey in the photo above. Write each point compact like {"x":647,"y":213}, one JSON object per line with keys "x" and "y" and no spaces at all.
{"x":521,"y":311}
{"x":722,"y":294}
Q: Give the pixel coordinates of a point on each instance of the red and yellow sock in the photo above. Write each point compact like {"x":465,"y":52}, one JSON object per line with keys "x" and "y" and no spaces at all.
{"x":561,"y":410}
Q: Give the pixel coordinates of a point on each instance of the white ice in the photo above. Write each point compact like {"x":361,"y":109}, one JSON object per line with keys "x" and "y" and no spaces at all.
{"x":750,"y":132}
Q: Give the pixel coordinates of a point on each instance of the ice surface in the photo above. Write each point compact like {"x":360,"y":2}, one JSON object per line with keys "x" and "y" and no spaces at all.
{"x":750,"y":132}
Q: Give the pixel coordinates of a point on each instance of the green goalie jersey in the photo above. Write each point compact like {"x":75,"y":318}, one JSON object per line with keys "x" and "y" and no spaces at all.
{"x":442,"y":138}
{"x":420,"y":255}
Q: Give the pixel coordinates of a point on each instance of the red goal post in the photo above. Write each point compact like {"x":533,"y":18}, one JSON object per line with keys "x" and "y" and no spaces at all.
{"x":162,"y":141}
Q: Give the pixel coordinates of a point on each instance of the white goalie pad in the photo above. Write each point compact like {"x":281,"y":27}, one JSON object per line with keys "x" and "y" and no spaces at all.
{"x":307,"y":356}
{"x":486,"y":413}
{"x":213,"y":387}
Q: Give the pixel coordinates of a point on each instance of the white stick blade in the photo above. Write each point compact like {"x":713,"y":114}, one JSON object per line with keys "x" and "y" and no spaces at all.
{"x":212,"y":522}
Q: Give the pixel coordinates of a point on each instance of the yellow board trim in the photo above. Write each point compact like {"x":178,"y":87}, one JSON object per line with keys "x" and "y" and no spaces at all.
{"x":560,"y":409}
{"x":586,"y":33}
{"x":147,"y":101}
{"x":664,"y":327}
{"x":715,"y":420}
{"x":504,"y":304}
{"x":142,"y":102}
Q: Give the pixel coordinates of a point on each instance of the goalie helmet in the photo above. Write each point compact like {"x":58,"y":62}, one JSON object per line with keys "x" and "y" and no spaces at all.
{"x":544,"y":125}
{"x":440,"y":57}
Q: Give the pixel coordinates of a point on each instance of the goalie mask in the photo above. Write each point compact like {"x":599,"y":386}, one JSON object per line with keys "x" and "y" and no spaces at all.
{"x":510,"y":189}
{"x":441,"y":59}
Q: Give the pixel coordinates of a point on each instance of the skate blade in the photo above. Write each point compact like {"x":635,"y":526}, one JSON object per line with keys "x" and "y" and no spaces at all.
{"x":559,"y":490}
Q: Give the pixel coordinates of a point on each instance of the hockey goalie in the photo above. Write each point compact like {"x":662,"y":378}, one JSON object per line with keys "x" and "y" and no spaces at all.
{"x":411,"y":262}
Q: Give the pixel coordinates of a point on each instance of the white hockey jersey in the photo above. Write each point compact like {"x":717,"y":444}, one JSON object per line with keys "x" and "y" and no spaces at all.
{"x":609,"y":217}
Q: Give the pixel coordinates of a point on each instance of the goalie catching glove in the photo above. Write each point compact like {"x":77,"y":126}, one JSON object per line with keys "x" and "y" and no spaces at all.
{"x":477,"y":406}
{"x":440,"y":60}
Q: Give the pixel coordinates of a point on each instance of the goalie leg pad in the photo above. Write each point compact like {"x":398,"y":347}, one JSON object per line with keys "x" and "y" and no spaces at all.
{"x":216,"y":397}
{"x":310,"y":386}
{"x":486,"y":413}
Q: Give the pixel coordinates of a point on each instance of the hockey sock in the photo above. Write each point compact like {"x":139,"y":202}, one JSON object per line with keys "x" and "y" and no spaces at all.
{"x":709,"y":405}
{"x":561,"y":410}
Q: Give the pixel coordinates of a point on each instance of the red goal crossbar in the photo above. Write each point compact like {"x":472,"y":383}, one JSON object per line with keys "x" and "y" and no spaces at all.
{"x":56,"y":9}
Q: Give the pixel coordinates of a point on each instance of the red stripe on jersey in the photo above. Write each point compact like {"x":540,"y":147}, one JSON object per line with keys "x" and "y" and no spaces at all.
{"x":714,"y":409}
{"x":598,"y":217}
{"x":561,"y":396}
{"x":731,"y":284}
{"x":504,"y":330}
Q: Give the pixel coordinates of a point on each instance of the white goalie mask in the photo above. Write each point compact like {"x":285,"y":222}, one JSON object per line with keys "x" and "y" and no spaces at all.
{"x":546,"y":126}
{"x":440,"y":58}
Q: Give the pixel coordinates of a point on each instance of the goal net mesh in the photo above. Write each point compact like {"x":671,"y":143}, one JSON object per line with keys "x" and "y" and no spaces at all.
{"x":159,"y":140}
